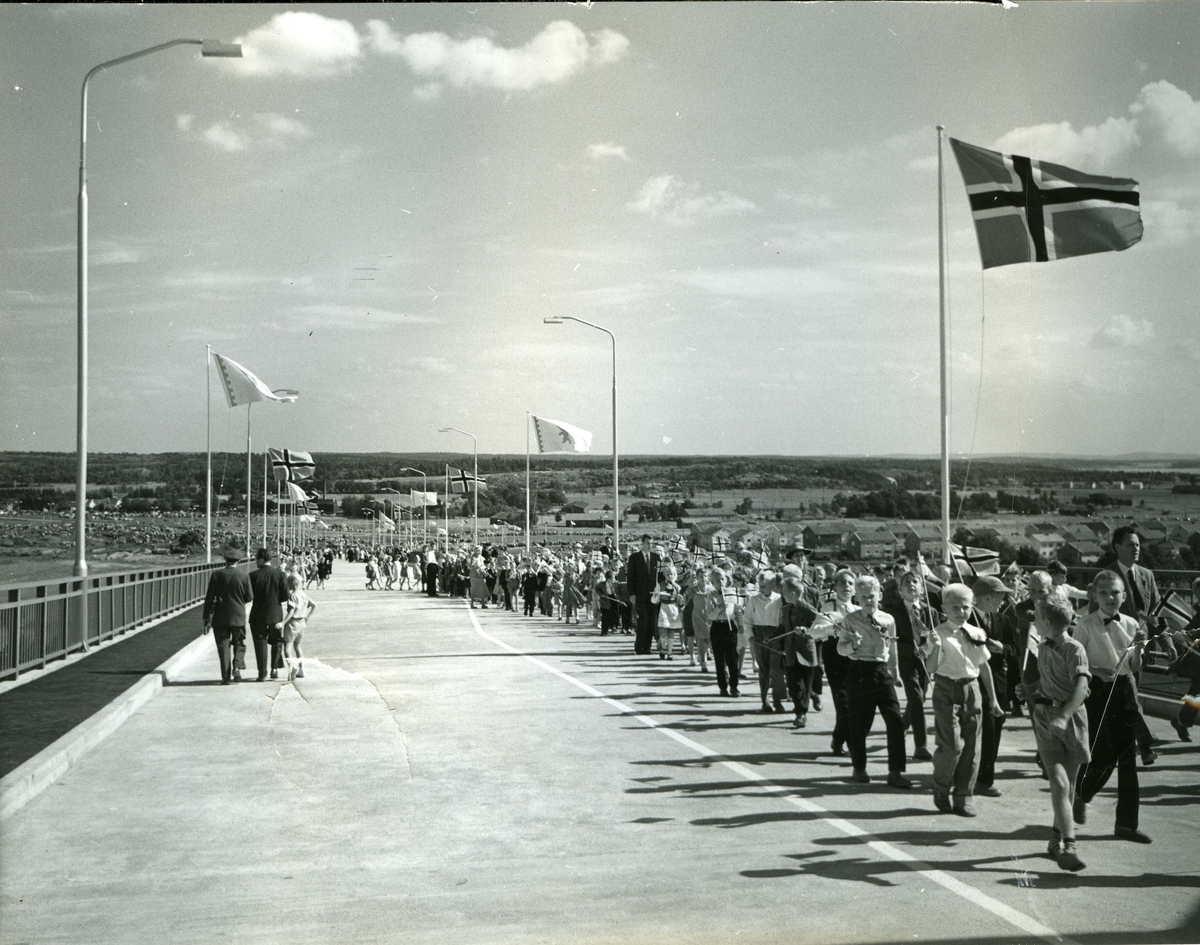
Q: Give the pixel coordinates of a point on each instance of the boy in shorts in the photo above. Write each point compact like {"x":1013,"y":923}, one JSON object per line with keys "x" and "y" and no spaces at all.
{"x":1060,"y":722}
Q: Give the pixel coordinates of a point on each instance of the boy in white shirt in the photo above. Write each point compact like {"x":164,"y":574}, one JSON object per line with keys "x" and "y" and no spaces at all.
{"x":957,"y":656}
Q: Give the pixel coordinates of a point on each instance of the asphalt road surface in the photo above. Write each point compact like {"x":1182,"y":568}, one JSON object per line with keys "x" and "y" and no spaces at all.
{"x":448,"y":775}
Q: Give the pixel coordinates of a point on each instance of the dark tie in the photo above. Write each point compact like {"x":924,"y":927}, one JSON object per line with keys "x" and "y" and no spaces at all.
{"x":1135,"y":593}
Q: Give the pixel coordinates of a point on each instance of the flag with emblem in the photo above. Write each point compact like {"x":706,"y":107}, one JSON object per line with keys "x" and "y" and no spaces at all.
{"x":1027,"y":210}
{"x":242,"y":385}
{"x":554,"y":436}
{"x":291,"y":465}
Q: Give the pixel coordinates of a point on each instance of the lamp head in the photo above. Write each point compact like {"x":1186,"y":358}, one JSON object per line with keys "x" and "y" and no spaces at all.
{"x":219,"y":50}
{"x":552,"y":320}
{"x":444,"y":430}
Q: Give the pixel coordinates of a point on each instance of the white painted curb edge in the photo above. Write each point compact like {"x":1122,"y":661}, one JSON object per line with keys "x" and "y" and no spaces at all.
{"x":23,"y":784}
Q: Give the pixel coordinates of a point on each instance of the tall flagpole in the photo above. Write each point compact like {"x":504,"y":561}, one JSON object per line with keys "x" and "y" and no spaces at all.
{"x":208,"y":449}
{"x":278,"y":515}
{"x":527,"y":537}
{"x":249,"y":472}
{"x":447,"y":508}
{"x":945,"y":369}
{"x":475,"y":527}
{"x":266,"y":454}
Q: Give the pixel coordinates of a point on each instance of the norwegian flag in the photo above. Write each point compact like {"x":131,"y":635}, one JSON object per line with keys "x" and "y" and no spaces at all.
{"x":680,"y":544}
{"x":761,"y":560}
{"x":462,"y":481}
{"x":291,"y":465}
{"x":720,"y":546}
{"x":1026,"y":210}
{"x":974,"y":562}
{"x":1174,"y":610}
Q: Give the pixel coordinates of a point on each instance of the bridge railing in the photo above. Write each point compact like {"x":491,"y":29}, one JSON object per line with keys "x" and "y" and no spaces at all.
{"x":43,"y":620}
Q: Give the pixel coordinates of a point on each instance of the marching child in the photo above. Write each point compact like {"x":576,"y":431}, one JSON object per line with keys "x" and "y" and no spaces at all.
{"x":1060,"y":722}
{"x":957,"y":657}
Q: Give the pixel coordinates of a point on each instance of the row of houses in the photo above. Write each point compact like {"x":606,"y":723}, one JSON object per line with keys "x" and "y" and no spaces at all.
{"x":859,"y":541}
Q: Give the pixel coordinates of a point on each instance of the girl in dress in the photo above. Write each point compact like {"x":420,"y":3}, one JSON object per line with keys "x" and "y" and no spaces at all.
{"x":666,"y":596}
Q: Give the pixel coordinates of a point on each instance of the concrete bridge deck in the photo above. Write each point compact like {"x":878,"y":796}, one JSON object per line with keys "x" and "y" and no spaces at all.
{"x":446,"y":775}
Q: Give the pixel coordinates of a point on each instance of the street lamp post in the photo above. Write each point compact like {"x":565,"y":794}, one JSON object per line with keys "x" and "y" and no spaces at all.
{"x":475,"y":454}
{"x":209,"y":48}
{"x":558,"y":320}
{"x":424,"y":507}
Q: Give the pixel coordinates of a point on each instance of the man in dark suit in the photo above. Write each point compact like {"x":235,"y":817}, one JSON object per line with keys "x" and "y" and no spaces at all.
{"x":266,"y":616}
{"x":641,"y":578}
{"x":225,"y":603}
{"x":995,"y":615}
{"x":913,"y":623}
{"x":1141,"y":600}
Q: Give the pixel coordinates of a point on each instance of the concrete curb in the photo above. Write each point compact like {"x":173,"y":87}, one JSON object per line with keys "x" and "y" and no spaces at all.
{"x":26,"y":782}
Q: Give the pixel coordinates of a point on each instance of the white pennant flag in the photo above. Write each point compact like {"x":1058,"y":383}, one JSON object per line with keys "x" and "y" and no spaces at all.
{"x":419,"y":498}
{"x":554,"y":436}
{"x":243,"y":386}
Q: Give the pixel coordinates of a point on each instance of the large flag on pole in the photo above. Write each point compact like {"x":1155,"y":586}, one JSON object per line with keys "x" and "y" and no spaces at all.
{"x":1027,"y":210}
{"x":462,"y":481}
{"x":298,"y":495}
{"x":243,"y":386}
{"x":387,"y":523}
{"x":419,"y":498}
{"x":554,"y":436}
{"x":289,"y":465}
{"x":974,"y":562}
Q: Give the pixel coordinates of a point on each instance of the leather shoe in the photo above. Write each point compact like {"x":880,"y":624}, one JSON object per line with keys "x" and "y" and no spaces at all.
{"x":1149,"y":757}
{"x":237,"y":674}
{"x":897,"y":780}
{"x":800,"y":721}
{"x":766,"y":709}
{"x":837,"y":751}
{"x":922,"y":754}
{"x":1079,"y":811}
{"x":941,"y":802}
{"x":990,"y":791}
{"x":860,"y":776}
{"x":816,"y":703}
{"x":1131,"y":833}
{"x":964,"y":807}
{"x":1181,"y":730}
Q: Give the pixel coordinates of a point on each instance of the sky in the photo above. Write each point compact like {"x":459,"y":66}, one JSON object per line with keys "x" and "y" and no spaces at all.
{"x":379,"y":204}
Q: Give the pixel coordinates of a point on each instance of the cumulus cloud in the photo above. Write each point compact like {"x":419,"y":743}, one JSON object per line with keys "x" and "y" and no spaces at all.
{"x":299,"y":44}
{"x":668,"y":198}
{"x":1121,"y":331}
{"x":278,"y":128}
{"x":1174,"y":112}
{"x":1095,"y":146}
{"x":605,"y":150}
{"x":184,"y":122}
{"x":557,"y":53}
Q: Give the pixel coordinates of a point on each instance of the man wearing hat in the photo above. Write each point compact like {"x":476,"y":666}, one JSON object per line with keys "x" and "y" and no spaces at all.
{"x":994,"y":613}
{"x":266,"y":615}
{"x":229,"y":592}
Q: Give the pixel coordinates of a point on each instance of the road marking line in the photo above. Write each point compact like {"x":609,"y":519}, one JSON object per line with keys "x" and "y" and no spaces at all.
{"x":1010,"y":915}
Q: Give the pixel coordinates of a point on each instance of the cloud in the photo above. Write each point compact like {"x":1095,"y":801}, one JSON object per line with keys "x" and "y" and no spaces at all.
{"x":1121,"y":331}
{"x":430,"y":365}
{"x":767,"y":282}
{"x":1175,"y":113}
{"x":303,"y":45}
{"x":265,"y":128}
{"x":605,"y":150}
{"x":806,"y":201}
{"x":1096,"y":146}
{"x":668,"y":198}
{"x":224,"y":137}
{"x":557,"y":53}
{"x":120,"y":256}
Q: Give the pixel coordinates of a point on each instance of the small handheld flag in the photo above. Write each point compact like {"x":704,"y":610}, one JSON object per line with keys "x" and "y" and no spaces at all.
{"x":974,"y":562}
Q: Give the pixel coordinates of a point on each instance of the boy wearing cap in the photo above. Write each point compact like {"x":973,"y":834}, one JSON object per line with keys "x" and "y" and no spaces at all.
{"x":1060,"y":722}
